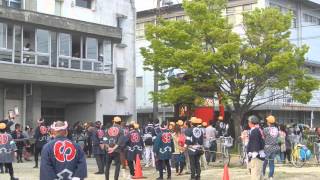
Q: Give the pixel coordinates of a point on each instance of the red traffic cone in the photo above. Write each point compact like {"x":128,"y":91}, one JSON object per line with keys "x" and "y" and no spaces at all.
{"x":225,"y":173}
{"x":138,"y":170}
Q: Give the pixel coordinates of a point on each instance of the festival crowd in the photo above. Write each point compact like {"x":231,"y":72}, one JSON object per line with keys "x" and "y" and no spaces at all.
{"x":185,"y":146}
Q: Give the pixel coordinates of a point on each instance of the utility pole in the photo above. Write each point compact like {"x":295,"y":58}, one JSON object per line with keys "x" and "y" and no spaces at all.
{"x":155,"y":71}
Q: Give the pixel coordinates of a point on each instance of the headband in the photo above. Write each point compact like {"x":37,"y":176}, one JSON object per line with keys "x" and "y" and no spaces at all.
{"x":53,"y":126}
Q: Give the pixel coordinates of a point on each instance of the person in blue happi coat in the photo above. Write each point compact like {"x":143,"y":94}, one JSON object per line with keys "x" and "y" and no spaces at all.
{"x":194,"y":142}
{"x":7,"y":150}
{"x":98,"y":147}
{"x":163,"y":148}
{"x":134,"y":146}
{"x":114,"y":142}
{"x":41,"y":136}
{"x":62,"y":159}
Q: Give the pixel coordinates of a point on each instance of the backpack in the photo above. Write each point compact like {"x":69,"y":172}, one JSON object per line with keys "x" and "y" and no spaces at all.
{"x":148,"y":139}
{"x":305,"y":153}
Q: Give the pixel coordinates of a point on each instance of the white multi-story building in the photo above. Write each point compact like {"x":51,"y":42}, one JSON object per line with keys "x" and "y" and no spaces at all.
{"x":68,"y":60}
{"x":305,"y":30}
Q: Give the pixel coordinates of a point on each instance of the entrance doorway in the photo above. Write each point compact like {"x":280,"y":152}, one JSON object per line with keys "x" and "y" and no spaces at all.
{"x":51,"y":114}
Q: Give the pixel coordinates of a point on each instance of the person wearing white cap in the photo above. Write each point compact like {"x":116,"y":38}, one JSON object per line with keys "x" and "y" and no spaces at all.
{"x":255,"y":148}
{"x":61,"y":158}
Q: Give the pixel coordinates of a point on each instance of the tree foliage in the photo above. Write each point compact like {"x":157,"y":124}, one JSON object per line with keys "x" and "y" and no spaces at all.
{"x":215,"y":59}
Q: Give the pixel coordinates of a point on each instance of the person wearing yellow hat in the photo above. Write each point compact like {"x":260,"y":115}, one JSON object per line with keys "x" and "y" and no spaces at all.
{"x":9,"y":146}
{"x":222,"y":127}
{"x":171,"y":127}
{"x":117,"y":119}
{"x":194,"y":142}
{"x":271,"y":136}
{"x":202,"y":126}
{"x":136,"y":126}
{"x":179,"y":123}
{"x":271,"y":119}
{"x":115,"y":140}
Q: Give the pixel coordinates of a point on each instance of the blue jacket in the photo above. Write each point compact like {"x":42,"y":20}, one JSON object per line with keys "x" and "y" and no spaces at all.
{"x":134,"y":145}
{"x":256,"y":142}
{"x":41,"y":136}
{"x":97,"y":136}
{"x":115,"y":136}
{"x":194,"y":140}
{"x":163,"y":146}
{"x":62,"y":159}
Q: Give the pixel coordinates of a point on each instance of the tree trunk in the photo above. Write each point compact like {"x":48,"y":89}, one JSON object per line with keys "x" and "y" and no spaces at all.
{"x":237,"y":118}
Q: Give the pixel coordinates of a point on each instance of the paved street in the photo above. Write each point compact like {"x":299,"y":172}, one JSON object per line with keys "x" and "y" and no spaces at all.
{"x":26,"y":172}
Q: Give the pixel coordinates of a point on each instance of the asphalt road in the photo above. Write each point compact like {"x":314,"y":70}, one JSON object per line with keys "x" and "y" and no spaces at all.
{"x":25,"y":171}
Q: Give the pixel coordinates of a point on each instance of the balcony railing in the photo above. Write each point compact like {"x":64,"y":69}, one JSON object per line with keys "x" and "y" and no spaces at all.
{"x":63,"y":62}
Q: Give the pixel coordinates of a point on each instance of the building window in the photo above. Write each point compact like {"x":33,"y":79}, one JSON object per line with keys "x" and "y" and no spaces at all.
{"x":232,"y":19}
{"x":29,"y":45}
{"x":140,"y":30}
{"x":43,"y":45}
{"x":311,"y":19}
{"x":139,"y":81}
{"x":6,"y":42}
{"x":43,"y":39}
{"x":231,"y":10}
{"x":92,"y":48}
{"x":58,"y":8}
{"x":13,"y":3}
{"x":64,"y":50}
{"x":17,"y":44}
{"x":54,"y":51}
{"x":121,"y":77}
{"x":247,"y":7}
{"x":231,"y":15}
{"x":91,"y":54}
{"x":76,"y":45}
{"x":3,"y":36}
{"x":84,"y":3}
{"x":108,"y":56}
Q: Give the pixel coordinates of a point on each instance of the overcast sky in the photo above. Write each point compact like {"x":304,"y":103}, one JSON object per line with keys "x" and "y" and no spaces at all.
{"x":149,"y":4}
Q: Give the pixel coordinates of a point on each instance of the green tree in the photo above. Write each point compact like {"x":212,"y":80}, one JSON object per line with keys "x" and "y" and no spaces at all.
{"x":215,"y":59}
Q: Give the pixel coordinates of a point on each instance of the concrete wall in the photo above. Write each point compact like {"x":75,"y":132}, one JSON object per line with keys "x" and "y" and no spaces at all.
{"x":143,"y":93}
{"x":67,"y":95}
{"x":80,"y":112}
{"x":2,"y":114}
{"x":105,"y":13}
{"x":33,"y":106}
{"x":55,"y":76}
{"x":123,"y":58}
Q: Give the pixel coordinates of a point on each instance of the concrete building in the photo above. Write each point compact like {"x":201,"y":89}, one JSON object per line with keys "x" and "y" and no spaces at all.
{"x":68,"y":60}
{"x":305,"y":30}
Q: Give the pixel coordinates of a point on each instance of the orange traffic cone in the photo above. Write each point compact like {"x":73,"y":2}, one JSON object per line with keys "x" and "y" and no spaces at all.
{"x":138,"y":171}
{"x":225,"y":173}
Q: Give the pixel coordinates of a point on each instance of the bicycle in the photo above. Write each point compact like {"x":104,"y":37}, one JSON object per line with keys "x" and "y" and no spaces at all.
{"x":243,"y":158}
{"x":226,"y":144}
{"x":298,"y":159}
{"x":316,"y":151}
